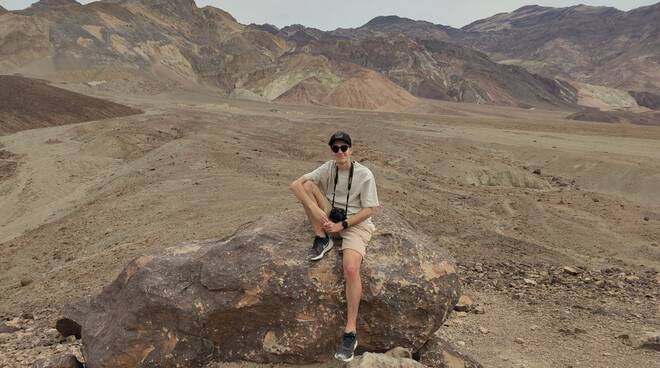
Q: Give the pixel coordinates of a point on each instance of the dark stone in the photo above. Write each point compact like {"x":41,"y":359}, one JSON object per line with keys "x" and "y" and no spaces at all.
{"x":68,"y":327}
{"x":254,"y":296}
{"x":7,"y":329}
{"x":26,"y":282}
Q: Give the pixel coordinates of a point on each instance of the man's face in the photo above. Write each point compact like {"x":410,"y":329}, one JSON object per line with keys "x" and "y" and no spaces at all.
{"x":344,"y":151}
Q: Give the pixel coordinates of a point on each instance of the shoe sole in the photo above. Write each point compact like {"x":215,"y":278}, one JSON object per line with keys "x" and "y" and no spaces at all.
{"x":352,"y":355}
{"x":344,"y":360}
{"x":325,"y":250}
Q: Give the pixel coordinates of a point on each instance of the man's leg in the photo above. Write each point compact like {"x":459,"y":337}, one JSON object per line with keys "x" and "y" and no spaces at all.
{"x":322,"y":202}
{"x":352,"y":261}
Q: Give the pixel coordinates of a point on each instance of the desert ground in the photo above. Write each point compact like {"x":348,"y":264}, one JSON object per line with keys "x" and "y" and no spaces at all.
{"x":554,"y":224}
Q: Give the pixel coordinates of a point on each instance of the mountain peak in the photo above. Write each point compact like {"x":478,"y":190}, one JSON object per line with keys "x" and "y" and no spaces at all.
{"x":387,"y":20}
{"x":527,"y":8}
{"x":42,"y":4}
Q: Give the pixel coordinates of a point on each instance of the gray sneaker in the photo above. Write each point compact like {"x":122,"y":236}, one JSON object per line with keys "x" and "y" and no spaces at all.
{"x":320,"y":247}
{"x":347,"y":348}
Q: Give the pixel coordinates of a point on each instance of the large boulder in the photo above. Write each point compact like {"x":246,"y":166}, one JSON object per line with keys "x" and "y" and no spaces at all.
{"x":254,"y":296}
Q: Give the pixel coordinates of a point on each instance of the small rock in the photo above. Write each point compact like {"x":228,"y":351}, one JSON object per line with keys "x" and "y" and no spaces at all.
{"x":7,"y":329}
{"x":479,"y":310}
{"x":51,"y":337}
{"x":533,"y":327}
{"x":518,"y":340}
{"x":529,"y":282}
{"x":438,"y":352}
{"x":67,"y":327}
{"x":537,"y":171}
{"x":651,"y":342}
{"x":646,"y":218}
{"x":624,"y":337}
{"x":483,"y":330}
{"x":570,"y":270}
{"x":464,"y":304}
{"x":632,"y":278}
{"x":399,"y":352}
{"x":58,"y":361}
{"x":26,"y":282}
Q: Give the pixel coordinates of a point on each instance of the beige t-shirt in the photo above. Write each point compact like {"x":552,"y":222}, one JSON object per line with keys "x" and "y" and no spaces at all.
{"x":363,"y":189}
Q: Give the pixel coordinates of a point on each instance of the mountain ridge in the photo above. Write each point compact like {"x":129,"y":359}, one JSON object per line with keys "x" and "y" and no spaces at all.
{"x":124,"y":41}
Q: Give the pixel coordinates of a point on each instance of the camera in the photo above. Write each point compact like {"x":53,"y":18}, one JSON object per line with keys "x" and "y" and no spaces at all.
{"x":337,"y":215}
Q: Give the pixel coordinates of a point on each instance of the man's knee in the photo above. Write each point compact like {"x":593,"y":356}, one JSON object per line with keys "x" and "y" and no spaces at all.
{"x":310,"y":187}
{"x":352,"y":271}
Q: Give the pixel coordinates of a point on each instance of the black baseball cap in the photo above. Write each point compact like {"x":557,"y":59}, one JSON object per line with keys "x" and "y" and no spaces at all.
{"x":341,"y":136}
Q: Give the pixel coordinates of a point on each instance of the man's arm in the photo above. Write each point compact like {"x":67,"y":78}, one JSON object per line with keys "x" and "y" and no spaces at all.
{"x":362,"y":215}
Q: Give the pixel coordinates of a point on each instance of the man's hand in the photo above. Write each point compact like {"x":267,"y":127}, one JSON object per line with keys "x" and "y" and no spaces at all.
{"x":331,"y":227}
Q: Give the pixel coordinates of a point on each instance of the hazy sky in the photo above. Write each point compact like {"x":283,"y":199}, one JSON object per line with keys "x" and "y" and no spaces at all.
{"x":328,"y":15}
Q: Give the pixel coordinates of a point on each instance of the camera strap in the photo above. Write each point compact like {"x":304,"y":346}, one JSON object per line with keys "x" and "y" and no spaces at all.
{"x":350,"y":181}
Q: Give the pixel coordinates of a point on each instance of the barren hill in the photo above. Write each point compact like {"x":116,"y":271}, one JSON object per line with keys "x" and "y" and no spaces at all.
{"x":647,"y":118}
{"x":415,"y":29}
{"x":165,"y":44}
{"x":440,"y":70}
{"x":598,"y":45}
{"x":28,"y":103}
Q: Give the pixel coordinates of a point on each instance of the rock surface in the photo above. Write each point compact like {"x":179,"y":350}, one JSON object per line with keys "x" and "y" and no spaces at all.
{"x":254,"y":296}
{"x":439,"y":353}
{"x":373,"y":360}
{"x":58,"y":361}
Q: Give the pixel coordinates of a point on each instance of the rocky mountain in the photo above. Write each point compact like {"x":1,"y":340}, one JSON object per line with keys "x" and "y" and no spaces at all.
{"x":445,"y":71}
{"x":413,"y":55}
{"x":385,"y":64}
{"x":596,"y":45}
{"x":51,"y":4}
{"x":175,"y":41}
{"x":599,"y":46}
{"x":415,"y":29}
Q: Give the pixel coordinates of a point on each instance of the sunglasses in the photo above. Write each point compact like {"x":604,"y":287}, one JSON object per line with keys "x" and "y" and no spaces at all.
{"x":343,"y":148}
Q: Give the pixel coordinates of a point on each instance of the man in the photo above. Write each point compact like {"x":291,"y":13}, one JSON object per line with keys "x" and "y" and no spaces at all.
{"x":341,"y":185}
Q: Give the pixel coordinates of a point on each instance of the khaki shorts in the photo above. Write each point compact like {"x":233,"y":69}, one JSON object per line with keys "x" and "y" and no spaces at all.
{"x":356,"y":237}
